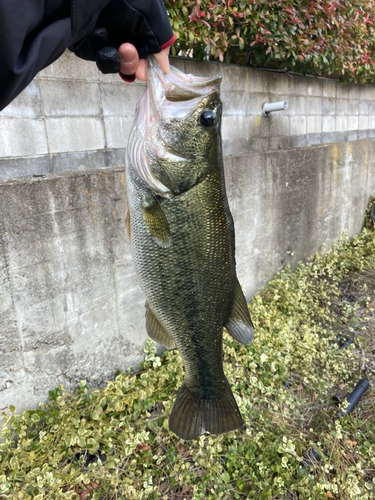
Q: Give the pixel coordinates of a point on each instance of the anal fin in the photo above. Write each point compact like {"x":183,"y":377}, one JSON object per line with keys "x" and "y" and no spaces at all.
{"x":192,"y":416}
{"x":156,"y":331}
{"x":156,"y":223}
{"x":240,"y":326}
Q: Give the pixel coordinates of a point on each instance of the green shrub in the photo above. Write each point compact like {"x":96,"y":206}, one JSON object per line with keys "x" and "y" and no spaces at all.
{"x":370,"y":214}
{"x":330,"y":38}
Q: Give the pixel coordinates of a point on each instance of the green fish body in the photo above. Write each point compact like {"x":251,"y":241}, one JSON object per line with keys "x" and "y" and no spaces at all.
{"x":182,"y":239}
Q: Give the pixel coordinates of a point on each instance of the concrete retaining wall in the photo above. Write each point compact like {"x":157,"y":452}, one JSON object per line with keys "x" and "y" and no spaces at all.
{"x":70,"y":306}
{"x":71,"y":117}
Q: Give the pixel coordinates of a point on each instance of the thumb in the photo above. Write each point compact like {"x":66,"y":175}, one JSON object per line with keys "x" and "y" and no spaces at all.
{"x":129,"y":59}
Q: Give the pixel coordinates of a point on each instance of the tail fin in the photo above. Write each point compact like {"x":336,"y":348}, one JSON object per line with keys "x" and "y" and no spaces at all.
{"x":192,"y":416}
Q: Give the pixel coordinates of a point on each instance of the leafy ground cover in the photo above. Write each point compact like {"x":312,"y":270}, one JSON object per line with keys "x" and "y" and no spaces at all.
{"x":115,"y":443}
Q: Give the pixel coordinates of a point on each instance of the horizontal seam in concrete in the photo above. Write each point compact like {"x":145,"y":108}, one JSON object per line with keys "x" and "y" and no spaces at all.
{"x":313,"y":146}
{"x":84,"y":80}
{"x":60,"y":175}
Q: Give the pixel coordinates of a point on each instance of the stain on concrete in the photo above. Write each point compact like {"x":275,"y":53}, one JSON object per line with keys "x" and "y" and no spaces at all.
{"x":257,"y":120}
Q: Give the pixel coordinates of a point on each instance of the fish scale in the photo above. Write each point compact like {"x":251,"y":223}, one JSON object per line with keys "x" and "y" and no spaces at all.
{"x":182,"y":239}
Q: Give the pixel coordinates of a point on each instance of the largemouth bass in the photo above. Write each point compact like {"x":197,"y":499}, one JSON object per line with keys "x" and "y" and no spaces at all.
{"x":182,"y":239}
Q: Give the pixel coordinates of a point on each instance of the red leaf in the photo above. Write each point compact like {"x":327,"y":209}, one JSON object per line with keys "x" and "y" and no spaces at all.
{"x":204,"y":22}
{"x":367,"y":20}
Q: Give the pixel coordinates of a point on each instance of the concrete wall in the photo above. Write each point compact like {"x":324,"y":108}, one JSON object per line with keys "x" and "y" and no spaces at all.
{"x":288,"y":204}
{"x":71,"y":117}
{"x":70,"y":306}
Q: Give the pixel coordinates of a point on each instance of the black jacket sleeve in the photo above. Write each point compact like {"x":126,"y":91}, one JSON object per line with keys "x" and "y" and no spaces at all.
{"x":34,"y":33}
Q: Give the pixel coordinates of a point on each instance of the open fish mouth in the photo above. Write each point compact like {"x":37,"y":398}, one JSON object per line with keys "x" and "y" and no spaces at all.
{"x":168,"y":97}
{"x":178,"y":86}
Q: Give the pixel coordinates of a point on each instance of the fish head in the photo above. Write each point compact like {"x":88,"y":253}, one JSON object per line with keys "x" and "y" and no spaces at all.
{"x":175,"y":140}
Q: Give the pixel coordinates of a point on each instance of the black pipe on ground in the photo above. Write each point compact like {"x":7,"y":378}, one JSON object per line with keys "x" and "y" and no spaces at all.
{"x":354,"y":398}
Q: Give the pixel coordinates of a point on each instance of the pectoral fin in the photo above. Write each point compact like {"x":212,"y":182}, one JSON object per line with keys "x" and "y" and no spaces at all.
{"x":156,"y":222}
{"x":240,"y":326}
{"x":155,"y":330}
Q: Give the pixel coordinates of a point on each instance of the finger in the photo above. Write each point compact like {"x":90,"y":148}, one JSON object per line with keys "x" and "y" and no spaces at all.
{"x":108,"y":60}
{"x":129,"y":59}
{"x":163,"y":60}
{"x":141,"y":73}
{"x":161,"y":57}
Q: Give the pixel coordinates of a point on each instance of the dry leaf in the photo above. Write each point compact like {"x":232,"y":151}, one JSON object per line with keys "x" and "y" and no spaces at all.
{"x":89,"y":489}
{"x":180,"y":448}
{"x":189,"y":487}
{"x":137,"y":484}
{"x":143,"y":447}
{"x":348,"y":441}
{"x":329,"y":495}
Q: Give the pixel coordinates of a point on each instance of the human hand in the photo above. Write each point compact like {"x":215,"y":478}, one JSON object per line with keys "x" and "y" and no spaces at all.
{"x":130,"y":64}
{"x":127,"y":31}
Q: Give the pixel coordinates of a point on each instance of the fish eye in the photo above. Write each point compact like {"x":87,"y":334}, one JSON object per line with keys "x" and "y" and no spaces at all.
{"x":208,"y":118}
